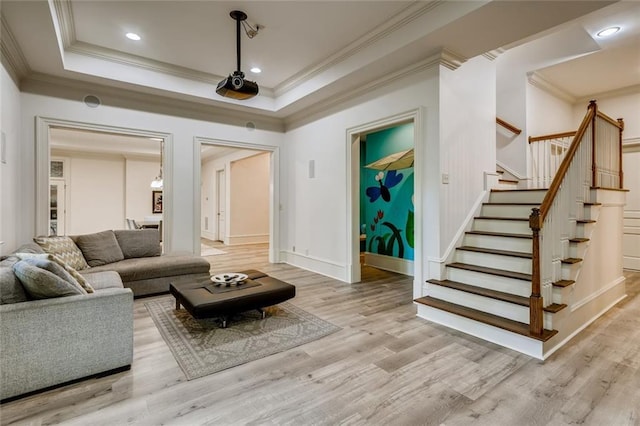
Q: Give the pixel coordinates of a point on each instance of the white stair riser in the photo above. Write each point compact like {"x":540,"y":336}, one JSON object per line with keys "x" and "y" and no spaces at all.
{"x":496,"y":335}
{"x":493,"y":282}
{"x":508,"y":263}
{"x":485,"y":304}
{"x":562,"y":294}
{"x":534,"y":197}
{"x":523,"y":245}
{"x":578,"y":249}
{"x":505,"y":210}
{"x":591,"y":212}
{"x":570,"y":270}
{"x":507,"y":226}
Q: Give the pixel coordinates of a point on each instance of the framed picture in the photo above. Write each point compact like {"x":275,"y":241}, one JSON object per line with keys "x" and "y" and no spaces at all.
{"x":156,"y":201}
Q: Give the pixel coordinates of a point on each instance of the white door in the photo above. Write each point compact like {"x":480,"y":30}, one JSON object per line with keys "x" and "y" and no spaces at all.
{"x":631,"y":236}
{"x":221,"y":202}
{"x":57,"y":209}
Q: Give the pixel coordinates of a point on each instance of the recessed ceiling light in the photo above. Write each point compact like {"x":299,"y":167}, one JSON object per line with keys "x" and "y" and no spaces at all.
{"x":133,"y":36}
{"x":608,"y":31}
{"x":255,"y":70}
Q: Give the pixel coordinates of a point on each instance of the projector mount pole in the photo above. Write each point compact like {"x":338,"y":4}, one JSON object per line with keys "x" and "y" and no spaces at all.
{"x":239,"y":16}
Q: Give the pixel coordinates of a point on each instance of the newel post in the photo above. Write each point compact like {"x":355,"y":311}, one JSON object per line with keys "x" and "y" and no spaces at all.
{"x":594,"y":166}
{"x":621,"y":124}
{"x":535,"y":301}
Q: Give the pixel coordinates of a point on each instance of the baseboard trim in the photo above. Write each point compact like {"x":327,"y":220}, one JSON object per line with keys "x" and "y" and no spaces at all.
{"x":329,"y":268}
{"x":236,"y":240}
{"x":388,"y":263}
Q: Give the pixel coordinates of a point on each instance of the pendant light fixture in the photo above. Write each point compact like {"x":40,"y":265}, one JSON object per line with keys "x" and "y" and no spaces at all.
{"x":157,"y":183}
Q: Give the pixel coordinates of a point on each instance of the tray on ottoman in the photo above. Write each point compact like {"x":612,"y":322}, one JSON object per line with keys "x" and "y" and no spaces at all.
{"x":259,"y":291}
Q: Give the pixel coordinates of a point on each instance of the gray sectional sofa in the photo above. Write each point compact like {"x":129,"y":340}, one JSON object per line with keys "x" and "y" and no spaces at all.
{"x":45,"y":342}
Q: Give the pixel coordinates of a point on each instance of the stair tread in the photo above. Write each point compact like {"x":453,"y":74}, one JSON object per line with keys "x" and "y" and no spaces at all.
{"x":508,"y":180}
{"x":522,"y":219}
{"x":585,"y":221}
{"x":496,"y":251}
{"x":491,"y":271}
{"x":500,"y":234}
{"x":486,"y":318}
{"x":578,"y":240}
{"x":481,"y":291}
{"x":555,"y":307}
{"x":571,"y":260}
{"x":592,"y":204}
{"x":563,"y":283}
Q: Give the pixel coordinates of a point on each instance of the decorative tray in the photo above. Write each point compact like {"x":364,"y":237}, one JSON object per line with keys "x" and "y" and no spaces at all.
{"x":228,"y":278}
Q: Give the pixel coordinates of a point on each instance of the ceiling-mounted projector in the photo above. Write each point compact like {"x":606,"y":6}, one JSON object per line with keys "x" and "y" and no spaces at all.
{"x":235,"y":86}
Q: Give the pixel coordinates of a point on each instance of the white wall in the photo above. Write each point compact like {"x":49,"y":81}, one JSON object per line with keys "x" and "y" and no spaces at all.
{"x":248,"y":212}
{"x":458,"y":138}
{"x":69,"y":106}
{"x":626,"y":106}
{"x":139,"y":172}
{"x":547,"y":114}
{"x":96,"y":194}
{"x":11,"y":186}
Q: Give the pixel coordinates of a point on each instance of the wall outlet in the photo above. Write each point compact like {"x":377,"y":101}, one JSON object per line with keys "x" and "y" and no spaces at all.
{"x":445,"y":178}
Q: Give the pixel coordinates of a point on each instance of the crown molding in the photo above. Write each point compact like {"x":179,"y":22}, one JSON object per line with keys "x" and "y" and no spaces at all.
{"x":629,"y":90}
{"x":12,"y":56}
{"x":440,"y":58}
{"x":122,"y":97}
{"x":401,"y":19}
{"x":538,"y":81}
{"x":451,"y":59}
{"x":493,"y":54}
{"x":64,"y":15}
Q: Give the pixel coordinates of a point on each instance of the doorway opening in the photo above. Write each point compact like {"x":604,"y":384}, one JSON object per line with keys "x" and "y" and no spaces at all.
{"x":95,"y":177}
{"x":379,"y":229}
{"x":238,"y":193}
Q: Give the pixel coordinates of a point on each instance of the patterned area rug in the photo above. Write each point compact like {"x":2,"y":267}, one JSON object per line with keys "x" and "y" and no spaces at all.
{"x":202,"y":347}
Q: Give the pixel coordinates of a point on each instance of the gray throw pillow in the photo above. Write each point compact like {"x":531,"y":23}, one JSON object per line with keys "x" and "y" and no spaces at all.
{"x":100,"y":248}
{"x":43,"y":279}
{"x":11,"y":290}
{"x":139,"y":242}
{"x":52,"y":257}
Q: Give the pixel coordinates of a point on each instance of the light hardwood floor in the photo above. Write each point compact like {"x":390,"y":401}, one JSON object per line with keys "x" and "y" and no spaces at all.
{"x":385,"y":366}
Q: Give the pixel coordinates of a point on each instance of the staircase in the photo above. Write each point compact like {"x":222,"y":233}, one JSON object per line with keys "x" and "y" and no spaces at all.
{"x":486,"y":288}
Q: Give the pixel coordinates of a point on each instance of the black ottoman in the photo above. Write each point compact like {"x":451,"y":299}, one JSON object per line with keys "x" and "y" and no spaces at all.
{"x":260,"y":291}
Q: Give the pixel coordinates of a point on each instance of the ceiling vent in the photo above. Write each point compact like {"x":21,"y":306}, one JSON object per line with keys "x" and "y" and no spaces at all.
{"x":235,"y":86}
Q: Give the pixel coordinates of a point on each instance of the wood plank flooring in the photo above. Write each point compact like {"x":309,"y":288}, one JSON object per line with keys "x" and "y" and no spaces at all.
{"x":385,"y":366}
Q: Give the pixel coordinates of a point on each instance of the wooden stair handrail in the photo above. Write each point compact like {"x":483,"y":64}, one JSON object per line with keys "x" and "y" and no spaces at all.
{"x":552,"y":136}
{"x":508,"y":126}
{"x":564,"y":166}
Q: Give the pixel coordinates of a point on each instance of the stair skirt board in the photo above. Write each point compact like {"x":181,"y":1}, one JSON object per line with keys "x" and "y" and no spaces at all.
{"x":514,"y":341}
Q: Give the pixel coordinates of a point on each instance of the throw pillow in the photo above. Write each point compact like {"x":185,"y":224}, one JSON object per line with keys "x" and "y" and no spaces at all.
{"x":65,"y":249}
{"x":43,"y":279}
{"x":99,"y":248}
{"x":52,"y":257}
{"x":11,"y":290}
{"x":139,"y":242}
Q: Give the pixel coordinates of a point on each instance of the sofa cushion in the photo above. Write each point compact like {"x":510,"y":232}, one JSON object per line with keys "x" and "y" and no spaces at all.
{"x":53,"y":258}
{"x":11,"y":289}
{"x":65,"y":249}
{"x":155,"y":267}
{"x":139,"y":242}
{"x":100,"y":248}
{"x":105,"y":279}
{"x":43,"y":279}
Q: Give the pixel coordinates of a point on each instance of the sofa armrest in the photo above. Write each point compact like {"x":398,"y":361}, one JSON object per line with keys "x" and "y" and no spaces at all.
{"x":53,"y":341}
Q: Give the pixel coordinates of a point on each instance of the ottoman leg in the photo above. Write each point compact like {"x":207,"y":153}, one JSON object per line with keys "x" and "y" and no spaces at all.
{"x":263,"y":313}
{"x":224,"y":321}
{"x":177,"y":304}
